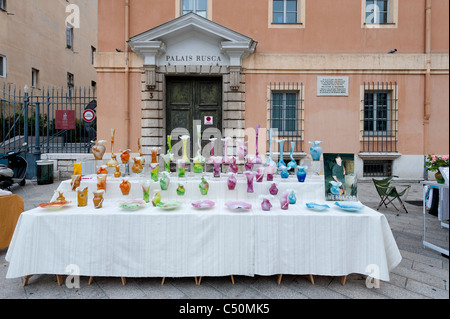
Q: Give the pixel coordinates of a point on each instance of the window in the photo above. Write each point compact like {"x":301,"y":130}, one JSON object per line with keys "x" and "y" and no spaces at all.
{"x":377,"y":168}
{"x":70,"y":84}
{"x":199,"y":7}
{"x":377,"y":11}
{"x":284,"y":111}
{"x":2,"y":66}
{"x":3,"y":5}
{"x":285,"y":11}
{"x":69,"y":37}
{"x":34,"y":78}
{"x":376,"y":111}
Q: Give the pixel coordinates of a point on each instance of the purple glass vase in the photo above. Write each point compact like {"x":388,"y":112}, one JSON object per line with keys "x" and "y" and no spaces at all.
{"x":259,"y":174}
{"x":250,"y":176}
{"x":266,"y":205}
{"x":232,"y":181}
{"x":273,"y":190}
{"x":233,"y":168}
{"x":270,"y":170}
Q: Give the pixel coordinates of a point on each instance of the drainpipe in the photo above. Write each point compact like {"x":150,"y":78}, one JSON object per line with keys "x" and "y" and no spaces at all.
{"x":426,"y":116}
{"x":127,"y":74}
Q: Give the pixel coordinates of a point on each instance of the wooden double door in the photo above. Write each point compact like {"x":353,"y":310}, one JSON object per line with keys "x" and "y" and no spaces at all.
{"x":192,"y":101}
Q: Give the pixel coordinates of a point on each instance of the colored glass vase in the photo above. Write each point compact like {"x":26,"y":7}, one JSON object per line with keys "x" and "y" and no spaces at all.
{"x":204,"y":186}
{"x":301,"y":173}
{"x":101,"y":182}
{"x":154,"y":151}
{"x":250,"y":176}
{"x":156,"y":199}
{"x":181,"y":168}
{"x":281,"y":161}
{"x":233,"y":166}
{"x":164,"y":181}
{"x":180,"y":189}
{"x":98,"y":199}
{"x":184,"y":139}
{"x":241,"y":149}
{"x":99,"y":149}
{"x":137,"y":167}
{"x":270,"y":170}
{"x":439,"y":177}
{"x":232,"y":181}
{"x":292,"y":198}
{"x":82,"y":196}
{"x":292,"y":164}
{"x":284,"y":201}
{"x":273,"y":190}
{"x":315,"y":150}
{"x":269,"y":160}
{"x":146,"y":191}
{"x":154,"y":171}
{"x":125,"y":187}
{"x":118,"y":173}
{"x":75,"y":182}
{"x":125,"y":156}
{"x":167,"y":158}
{"x":217,"y":160}
{"x":284,"y":172}
{"x":259,"y":174}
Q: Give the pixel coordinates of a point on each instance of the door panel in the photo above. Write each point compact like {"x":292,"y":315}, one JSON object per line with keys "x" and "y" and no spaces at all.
{"x":192,"y":99}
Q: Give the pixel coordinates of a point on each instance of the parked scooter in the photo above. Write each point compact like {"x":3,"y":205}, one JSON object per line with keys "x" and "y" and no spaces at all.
{"x":16,"y":170}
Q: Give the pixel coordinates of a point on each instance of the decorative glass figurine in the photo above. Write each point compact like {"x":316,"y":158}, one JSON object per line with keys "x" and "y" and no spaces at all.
{"x":284,"y":201}
{"x":77,"y":168}
{"x":217,"y":160}
{"x":301,"y":173}
{"x":281,"y":161}
{"x":225,"y":159}
{"x":292,"y":198}
{"x":154,"y":171}
{"x":233,"y":166}
{"x":113,"y":161}
{"x":273,"y":190}
{"x":184,"y":138}
{"x":204,"y":186}
{"x":82,"y":196}
{"x":99,"y":149}
{"x":269,"y":159}
{"x":249,"y":163}
{"x":213,"y":141}
{"x":266,"y":205}
{"x":232,"y":181}
{"x":146,"y":190}
{"x":241,"y":149}
{"x":181,"y":168}
{"x":180,"y":189}
{"x":98,"y":199}
{"x":315,"y":150}
{"x":137,"y":167}
{"x":292,"y":164}
{"x":164,"y":181}
{"x":75,"y":182}
{"x":270,"y":170}
{"x":125,"y":156}
{"x":102,"y":170}
{"x":284,"y":171}
{"x":250,"y":176}
{"x":117,"y":173}
{"x":258,"y":159}
{"x":199,"y":160}
{"x":125,"y":187}
{"x":167,"y":158}
{"x":259,"y":174}
{"x":154,"y":151}
{"x":156,"y":197}
{"x":60,"y":197}
{"x":101,"y":182}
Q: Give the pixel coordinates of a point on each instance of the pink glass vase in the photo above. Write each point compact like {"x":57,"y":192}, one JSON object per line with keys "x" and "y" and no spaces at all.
{"x":273,"y":190}
{"x":284,"y":201}
{"x":259,"y":174}
{"x":250,"y":176}
{"x":270,"y":171}
{"x":232,"y":181}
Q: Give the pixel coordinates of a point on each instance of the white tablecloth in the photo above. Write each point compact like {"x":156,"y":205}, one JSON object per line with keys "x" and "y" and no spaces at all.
{"x":186,"y":242}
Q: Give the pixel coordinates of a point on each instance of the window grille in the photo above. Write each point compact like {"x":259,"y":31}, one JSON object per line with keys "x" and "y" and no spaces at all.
{"x":379,"y":117}
{"x":377,"y":11}
{"x":286,"y":113}
{"x":377,"y":168}
{"x":285,"y":11}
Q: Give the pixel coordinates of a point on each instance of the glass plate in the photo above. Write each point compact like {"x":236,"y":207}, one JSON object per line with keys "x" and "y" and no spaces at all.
{"x":169,"y":205}
{"x":350,"y":207}
{"x":133,"y":204}
{"x":317,"y":207}
{"x":203,"y":204}
{"x":238,"y":206}
{"x":54,"y":205}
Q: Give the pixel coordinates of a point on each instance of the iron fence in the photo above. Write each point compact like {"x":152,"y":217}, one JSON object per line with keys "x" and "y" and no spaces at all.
{"x":49,"y":121}
{"x":286,"y":114}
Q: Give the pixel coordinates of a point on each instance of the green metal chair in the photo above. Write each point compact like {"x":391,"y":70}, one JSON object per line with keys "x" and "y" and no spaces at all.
{"x":388,"y":193}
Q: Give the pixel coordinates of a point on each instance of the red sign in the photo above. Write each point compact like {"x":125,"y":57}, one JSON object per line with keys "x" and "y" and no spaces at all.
{"x":89,"y":116}
{"x":65,"y":120}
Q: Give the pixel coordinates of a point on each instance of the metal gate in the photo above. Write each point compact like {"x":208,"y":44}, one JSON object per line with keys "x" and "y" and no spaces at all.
{"x":50,"y":121}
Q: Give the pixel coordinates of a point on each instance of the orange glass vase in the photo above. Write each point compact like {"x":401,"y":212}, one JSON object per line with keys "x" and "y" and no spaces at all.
{"x":125,"y":187}
{"x":137,"y":166}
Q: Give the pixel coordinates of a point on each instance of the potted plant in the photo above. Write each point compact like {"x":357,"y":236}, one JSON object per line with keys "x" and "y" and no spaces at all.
{"x":433,"y":162}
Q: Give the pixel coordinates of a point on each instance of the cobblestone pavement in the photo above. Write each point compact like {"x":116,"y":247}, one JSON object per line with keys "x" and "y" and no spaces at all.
{"x":422,"y":274}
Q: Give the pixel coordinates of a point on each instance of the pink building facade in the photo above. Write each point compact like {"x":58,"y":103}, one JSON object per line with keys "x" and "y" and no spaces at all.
{"x":364,"y":77}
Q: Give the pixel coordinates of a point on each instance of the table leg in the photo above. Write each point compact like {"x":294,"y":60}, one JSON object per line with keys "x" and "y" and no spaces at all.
{"x":232,"y":279}
{"x":124,"y":281}
{"x":25,"y":280}
{"x":311,"y":278}
{"x":59,"y":280}
{"x":279,"y":279}
{"x":162,"y":281}
{"x":91,"y":278}
{"x":197,"y":281}
{"x":343,"y":280}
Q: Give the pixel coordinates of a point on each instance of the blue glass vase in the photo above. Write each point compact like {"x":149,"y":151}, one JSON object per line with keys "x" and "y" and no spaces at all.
{"x":301,"y":173}
{"x":315,"y":150}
